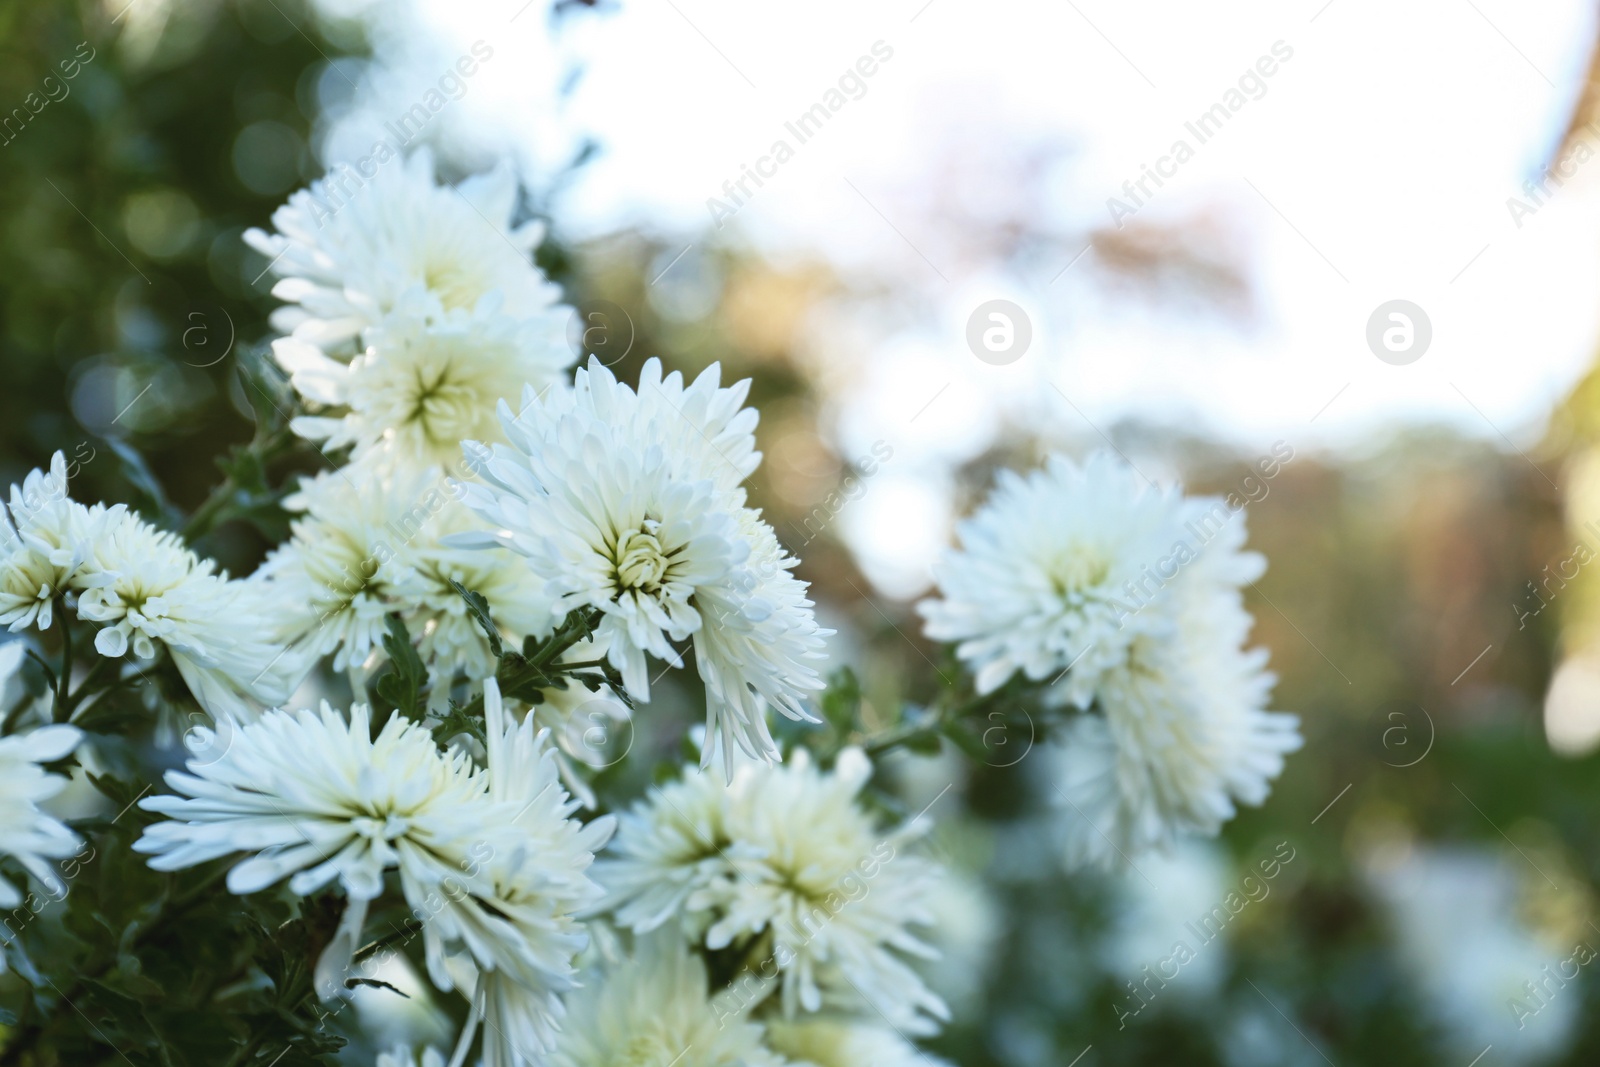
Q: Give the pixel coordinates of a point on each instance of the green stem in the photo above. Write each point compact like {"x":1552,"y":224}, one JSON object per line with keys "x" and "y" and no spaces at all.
{"x":571,"y":632}
{"x":568,"y":634}
{"x":63,"y":705}
{"x":941,"y":713}
{"x":205,"y":516}
{"x":586,"y":665}
{"x":76,"y":698}
{"x":404,"y":932}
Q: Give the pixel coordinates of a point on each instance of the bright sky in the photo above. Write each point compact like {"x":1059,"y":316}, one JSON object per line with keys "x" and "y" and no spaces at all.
{"x":1376,"y":165}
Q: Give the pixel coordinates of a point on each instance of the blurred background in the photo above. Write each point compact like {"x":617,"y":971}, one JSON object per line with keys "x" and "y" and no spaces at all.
{"x":1429,"y":609}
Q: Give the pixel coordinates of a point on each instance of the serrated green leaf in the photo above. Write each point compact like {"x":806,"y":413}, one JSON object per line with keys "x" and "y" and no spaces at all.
{"x":478,"y":607}
{"x":402,"y":683}
{"x":458,"y":721}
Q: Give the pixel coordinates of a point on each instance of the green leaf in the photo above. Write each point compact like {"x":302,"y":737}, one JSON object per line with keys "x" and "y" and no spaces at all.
{"x":116,"y":711}
{"x":267,"y":392}
{"x":244,"y":468}
{"x":841,"y":701}
{"x":478,"y":606}
{"x":459,"y":721}
{"x":141,"y":477}
{"x":401,"y":685}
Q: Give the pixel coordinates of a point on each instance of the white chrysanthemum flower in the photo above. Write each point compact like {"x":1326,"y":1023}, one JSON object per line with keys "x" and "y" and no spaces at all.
{"x":449,"y":640}
{"x":494,"y":877}
{"x":365,"y":547}
{"x":655,"y":1010}
{"x":833,"y":1041}
{"x":150,"y":588}
{"x":348,"y":247}
{"x":144,"y":587}
{"x":1181,"y":737}
{"x":27,"y":834}
{"x":316,"y":798}
{"x":341,"y":571}
{"x":540,"y":885}
{"x":628,"y":503}
{"x":426,"y":380}
{"x":1124,"y":600}
{"x":784,"y":853}
{"x":45,"y":542}
{"x":1068,"y":567}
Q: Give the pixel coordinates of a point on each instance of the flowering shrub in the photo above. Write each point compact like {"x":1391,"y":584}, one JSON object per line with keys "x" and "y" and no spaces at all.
{"x":374,"y":759}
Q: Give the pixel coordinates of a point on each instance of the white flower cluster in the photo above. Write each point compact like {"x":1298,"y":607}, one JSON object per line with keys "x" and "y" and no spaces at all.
{"x":489,"y":859}
{"x":754,"y":913}
{"x":410,"y":331}
{"x":629,"y":504}
{"x":783,"y":869}
{"x":1125,"y":602}
{"x":143,"y":588}
{"x":416,"y":317}
{"x":415,"y":310}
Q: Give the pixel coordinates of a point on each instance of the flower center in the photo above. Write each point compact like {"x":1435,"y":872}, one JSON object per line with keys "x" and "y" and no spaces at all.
{"x":641,"y":561}
{"x":443,"y":406}
{"x":449,"y":278}
{"x":1078,"y":570}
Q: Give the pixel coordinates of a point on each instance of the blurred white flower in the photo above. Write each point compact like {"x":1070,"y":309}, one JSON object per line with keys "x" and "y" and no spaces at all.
{"x":655,"y":1008}
{"x":589,"y":728}
{"x":1182,"y":736}
{"x":967,"y":927}
{"x":28,"y":835}
{"x":404,"y":1057}
{"x":629,"y":503}
{"x":1067,"y":567}
{"x":426,"y":379}
{"x":1163,"y":906}
{"x":831,"y":1041}
{"x":784,"y":852}
{"x":1485,"y":976}
{"x":347,"y":248}
{"x":1125,"y":601}
{"x":540,"y":885}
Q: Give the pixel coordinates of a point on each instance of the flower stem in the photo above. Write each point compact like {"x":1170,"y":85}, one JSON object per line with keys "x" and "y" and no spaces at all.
{"x":63,"y":703}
